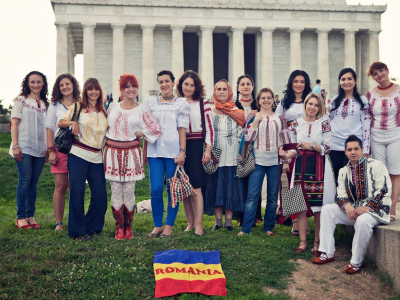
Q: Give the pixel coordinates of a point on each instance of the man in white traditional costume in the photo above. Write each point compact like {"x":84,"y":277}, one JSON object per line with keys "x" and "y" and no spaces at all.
{"x":362,"y":200}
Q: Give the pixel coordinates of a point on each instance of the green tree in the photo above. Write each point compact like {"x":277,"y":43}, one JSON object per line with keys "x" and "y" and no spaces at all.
{"x":4,"y":110}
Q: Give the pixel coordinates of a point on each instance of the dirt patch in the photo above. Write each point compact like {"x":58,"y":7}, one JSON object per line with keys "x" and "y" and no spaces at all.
{"x":329,"y":281}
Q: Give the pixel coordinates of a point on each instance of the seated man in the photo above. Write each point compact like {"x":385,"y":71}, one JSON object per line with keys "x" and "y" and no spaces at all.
{"x":362,"y":200}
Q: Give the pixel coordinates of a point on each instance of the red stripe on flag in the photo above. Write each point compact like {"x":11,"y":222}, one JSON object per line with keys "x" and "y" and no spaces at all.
{"x":169,"y":287}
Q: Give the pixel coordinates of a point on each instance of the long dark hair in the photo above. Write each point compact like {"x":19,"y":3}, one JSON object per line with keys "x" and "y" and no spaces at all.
{"x":92,"y":83}
{"x":341,"y":93}
{"x":288,"y":94}
{"x":254,"y":102}
{"x":199,"y":92}
{"x":56,"y":94}
{"x":25,"y":90}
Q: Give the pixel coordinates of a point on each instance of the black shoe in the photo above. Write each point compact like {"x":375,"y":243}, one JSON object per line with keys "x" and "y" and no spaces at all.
{"x":216,"y":227}
{"x":96,"y":233}
{"x":229,"y":228}
{"x":82,"y":238}
{"x":254,"y":225}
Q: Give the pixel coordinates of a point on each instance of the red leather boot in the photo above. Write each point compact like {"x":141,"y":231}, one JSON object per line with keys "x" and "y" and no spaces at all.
{"x":119,"y":222}
{"x":128,"y":217}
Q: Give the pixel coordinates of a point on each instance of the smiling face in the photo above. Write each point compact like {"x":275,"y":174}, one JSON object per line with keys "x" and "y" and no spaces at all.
{"x":312,"y":107}
{"x":35,"y":83}
{"x":381,"y":76}
{"x":66,"y":87}
{"x":245,"y":87}
{"x":347,"y":82}
{"x":188,"y":87}
{"x":165,"y":84}
{"x":93,"y":94}
{"x":222,"y":92}
{"x":299,"y":84}
{"x":354,"y":152}
{"x":130,"y":92}
{"x":266,"y":100}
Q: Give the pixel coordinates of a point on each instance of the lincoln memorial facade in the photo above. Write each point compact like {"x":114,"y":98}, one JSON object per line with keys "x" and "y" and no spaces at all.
{"x":266,"y":39}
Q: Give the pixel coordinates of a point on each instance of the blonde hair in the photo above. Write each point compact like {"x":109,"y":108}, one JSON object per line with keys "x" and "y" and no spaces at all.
{"x":321,"y":103}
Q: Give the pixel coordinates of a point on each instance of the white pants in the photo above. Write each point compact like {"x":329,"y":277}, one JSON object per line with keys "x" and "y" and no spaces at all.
{"x":331,"y":215}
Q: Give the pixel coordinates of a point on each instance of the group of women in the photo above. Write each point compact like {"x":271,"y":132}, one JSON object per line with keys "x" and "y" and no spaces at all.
{"x":180,"y":128}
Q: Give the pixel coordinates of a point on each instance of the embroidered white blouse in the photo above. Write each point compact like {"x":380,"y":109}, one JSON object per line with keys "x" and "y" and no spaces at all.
{"x":349,"y":119}
{"x":385,"y":111}
{"x":227,"y":138}
{"x":271,"y":133}
{"x":171,"y":116}
{"x":54,"y":115}
{"x":294,"y":112}
{"x":32,"y":126}
{"x":93,"y":127}
{"x":123,"y":124}
{"x":195,"y":120}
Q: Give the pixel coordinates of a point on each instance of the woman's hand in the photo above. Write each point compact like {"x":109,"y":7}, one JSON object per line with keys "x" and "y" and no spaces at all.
{"x":285,"y":167}
{"x":282,"y":153}
{"x":17,"y":153}
{"x":180,"y":159}
{"x":206,"y":156}
{"x":258,"y":117}
{"x":139,"y":134}
{"x":304,"y":145}
{"x":53,"y":158}
{"x":75,"y":129}
{"x":254,"y":111}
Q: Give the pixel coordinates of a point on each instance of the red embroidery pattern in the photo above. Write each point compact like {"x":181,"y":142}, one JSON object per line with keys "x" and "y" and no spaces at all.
{"x":117,"y":122}
{"x":126,"y":127}
{"x":384,"y":114}
{"x":210,"y":127}
{"x":371,"y":109}
{"x":267,"y":138}
{"x":39,"y":110}
{"x":345,"y":108}
{"x":276,"y":134}
{"x":150,"y":122}
{"x":397,"y":116}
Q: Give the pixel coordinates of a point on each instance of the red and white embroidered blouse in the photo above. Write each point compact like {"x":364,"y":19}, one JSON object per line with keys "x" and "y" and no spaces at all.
{"x":195,"y":120}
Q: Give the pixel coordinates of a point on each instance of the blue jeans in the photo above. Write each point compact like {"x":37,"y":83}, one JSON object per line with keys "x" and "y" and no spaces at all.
{"x":29,"y":170}
{"x":80,"y":170}
{"x":256,"y":179}
{"x":157,"y":168}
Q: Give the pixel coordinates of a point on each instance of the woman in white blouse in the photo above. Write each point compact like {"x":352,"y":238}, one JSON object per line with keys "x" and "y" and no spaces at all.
{"x":28,"y":146}
{"x":128,"y":122}
{"x":85,"y":162}
{"x":65,"y":93}
{"x":384,"y":101}
{"x":224,"y":191}
{"x":348,"y":115}
{"x":312,"y":133}
{"x":269,"y":132}
{"x":172,"y":113}
{"x":190,"y":87}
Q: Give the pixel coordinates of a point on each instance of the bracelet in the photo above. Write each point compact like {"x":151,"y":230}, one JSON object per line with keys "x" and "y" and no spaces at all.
{"x":184,"y":150}
{"x":286,"y":161}
{"x":50,"y":150}
{"x":15,"y":147}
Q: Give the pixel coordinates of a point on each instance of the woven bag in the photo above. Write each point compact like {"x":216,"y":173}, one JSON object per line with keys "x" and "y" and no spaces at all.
{"x":245,"y":163}
{"x":293,"y":201}
{"x":179,"y":186}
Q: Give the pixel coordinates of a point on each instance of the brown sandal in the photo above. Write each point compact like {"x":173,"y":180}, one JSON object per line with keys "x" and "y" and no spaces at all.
{"x":302,"y":247}
{"x":314,"y":250}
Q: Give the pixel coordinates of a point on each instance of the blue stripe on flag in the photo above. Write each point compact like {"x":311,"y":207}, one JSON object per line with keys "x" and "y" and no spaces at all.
{"x":186,"y":257}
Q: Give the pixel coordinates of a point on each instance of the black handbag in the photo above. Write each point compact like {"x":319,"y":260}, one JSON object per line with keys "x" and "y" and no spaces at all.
{"x":65,"y":137}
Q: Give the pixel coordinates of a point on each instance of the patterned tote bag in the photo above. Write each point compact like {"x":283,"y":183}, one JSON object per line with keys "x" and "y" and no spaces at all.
{"x":179,"y":186}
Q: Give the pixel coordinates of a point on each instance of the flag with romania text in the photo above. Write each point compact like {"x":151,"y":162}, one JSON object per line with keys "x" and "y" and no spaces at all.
{"x":181,"y":271}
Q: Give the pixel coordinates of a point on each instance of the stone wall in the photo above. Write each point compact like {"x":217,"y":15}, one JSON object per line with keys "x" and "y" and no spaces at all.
{"x":133,"y":52}
{"x":103,"y":52}
{"x":281,"y":42}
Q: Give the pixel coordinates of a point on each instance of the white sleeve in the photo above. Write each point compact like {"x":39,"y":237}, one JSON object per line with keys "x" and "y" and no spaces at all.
{"x":51,"y":121}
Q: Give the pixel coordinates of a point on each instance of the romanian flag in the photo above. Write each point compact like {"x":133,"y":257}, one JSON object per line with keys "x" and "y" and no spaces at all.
{"x":181,"y":271}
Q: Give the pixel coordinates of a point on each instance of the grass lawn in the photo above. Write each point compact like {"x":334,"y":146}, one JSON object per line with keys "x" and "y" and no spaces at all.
{"x":45,"y":264}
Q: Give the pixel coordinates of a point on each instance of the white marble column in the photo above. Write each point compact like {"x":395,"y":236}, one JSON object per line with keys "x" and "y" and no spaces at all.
{"x":323,"y":59}
{"x":295,"y":48}
{"x":237,"y":54}
{"x":373,"y":51}
{"x":267,"y":58}
{"x":118,"y":67}
{"x":62,"y":48}
{"x":177,"y":50}
{"x":358,"y":63}
{"x":89,"y":59}
{"x":148,"y":76}
{"x":207,"y":59}
{"x":350,"y":48}
{"x":71,"y":54}
{"x":230,"y":59}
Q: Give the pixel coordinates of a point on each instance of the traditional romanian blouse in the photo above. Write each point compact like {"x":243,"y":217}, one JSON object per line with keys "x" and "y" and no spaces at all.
{"x":123,"y":124}
{"x":227,"y":138}
{"x":349,"y":119}
{"x":385,"y":111}
{"x":195,"y":120}
{"x":93,"y":127}
{"x":294,"y":112}
{"x":271,"y":133}
{"x":54,"y":115}
{"x":171,"y":116}
{"x":32,"y":126}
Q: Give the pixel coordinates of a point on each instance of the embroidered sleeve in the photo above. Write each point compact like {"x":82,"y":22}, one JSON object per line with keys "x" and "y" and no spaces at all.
{"x":284,"y":133}
{"x":250,"y":133}
{"x":16,"y":111}
{"x":151,"y":128}
{"x":183,"y":114}
{"x":239,"y":131}
{"x":382,"y":189}
{"x":51,"y":118}
{"x":69,"y":113}
{"x":279,"y":109}
{"x":209,"y":123}
{"x":326,"y":137}
{"x":293,"y":131}
{"x":249,"y":116}
{"x":366,"y":126}
{"x":368,"y":95}
{"x":330,"y":107}
{"x":341,"y":194}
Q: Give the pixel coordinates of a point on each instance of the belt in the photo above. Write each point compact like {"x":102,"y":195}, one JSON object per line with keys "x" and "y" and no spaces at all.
{"x":194,"y":135}
{"x":121,"y":144}
{"x":78,"y":144}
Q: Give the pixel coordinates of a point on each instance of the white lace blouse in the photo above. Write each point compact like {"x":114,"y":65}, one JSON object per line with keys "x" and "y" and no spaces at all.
{"x":195,"y":120}
{"x":32,"y":126}
{"x":294,"y":112}
{"x":171,"y":116}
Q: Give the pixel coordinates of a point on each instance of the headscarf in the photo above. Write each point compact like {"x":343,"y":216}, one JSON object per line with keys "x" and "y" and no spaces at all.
{"x":229,"y":107}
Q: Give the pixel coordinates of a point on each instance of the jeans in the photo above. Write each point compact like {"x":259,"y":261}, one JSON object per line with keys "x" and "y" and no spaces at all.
{"x":256,"y":179}
{"x":80,"y":170}
{"x":157,"y":168}
{"x":29,"y":170}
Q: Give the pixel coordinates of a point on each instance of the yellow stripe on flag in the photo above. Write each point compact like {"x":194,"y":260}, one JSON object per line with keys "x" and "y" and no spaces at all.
{"x":188,"y":272}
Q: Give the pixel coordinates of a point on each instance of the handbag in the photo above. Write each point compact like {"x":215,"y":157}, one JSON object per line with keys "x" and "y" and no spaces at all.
{"x":65,"y":137}
{"x":246,"y":162}
{"x":179,"y":186}
{"x":211,"y":166}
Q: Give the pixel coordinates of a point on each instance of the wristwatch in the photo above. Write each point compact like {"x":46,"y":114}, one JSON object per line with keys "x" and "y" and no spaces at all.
{"x":313,"y":145}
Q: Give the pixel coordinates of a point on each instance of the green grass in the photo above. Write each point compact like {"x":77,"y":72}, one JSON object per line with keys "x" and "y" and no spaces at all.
{"x":45,"y":264}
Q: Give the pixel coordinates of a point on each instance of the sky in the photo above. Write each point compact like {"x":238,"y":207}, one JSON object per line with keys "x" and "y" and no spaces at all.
{"x":28,"y":42}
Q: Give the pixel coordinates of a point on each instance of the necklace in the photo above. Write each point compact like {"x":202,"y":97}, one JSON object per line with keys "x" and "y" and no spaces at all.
{"x":386,"y":88}
{"x":246,"y":100}
{"x":169,"y":97}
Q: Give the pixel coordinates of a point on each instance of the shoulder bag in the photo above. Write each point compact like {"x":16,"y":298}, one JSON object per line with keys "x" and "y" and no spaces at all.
{"x":246,"y":162}
{"x":65,"y":137}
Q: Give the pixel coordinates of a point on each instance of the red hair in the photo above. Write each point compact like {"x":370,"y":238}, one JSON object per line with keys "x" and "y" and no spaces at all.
{"x":125,"y":79}
{"x":375,"y":67}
